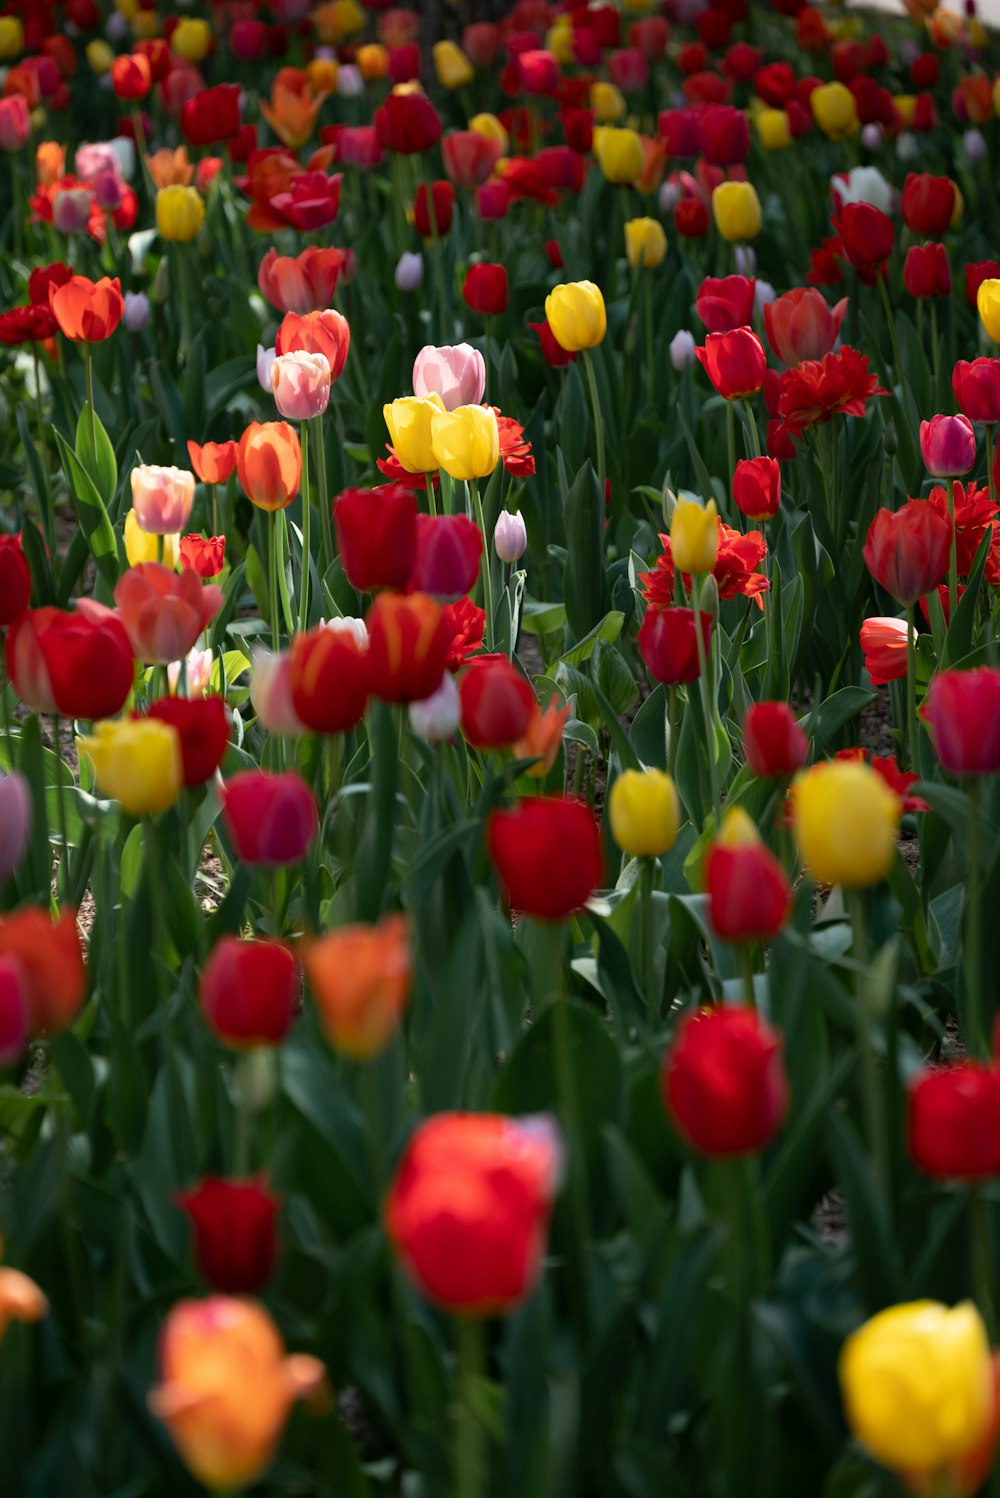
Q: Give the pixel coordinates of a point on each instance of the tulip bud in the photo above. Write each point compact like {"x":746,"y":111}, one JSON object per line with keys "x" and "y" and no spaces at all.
{"x":162,"y":498}
{"x":974,"y":145}
{"x":872,"y":137}
{"x":160,"y":289}
{"x":437,"y":717}
{"x":265,"y":363}
{"x":71,"y":210}
{"x":708,"y":599}
{"x":510,"y":538}
{"x":409,"y":273}
{"x":350,"y":83}
{"x":301,"y":384}
{"x":694,"y":535}
{"x":890,"y":440}
{"x":577,"y":315}
{"x":136,"y":311}
{"x":15,"y":822}
{"x":682,"y":347}
{"x":644,"y":812}
{"x":668,"y":502}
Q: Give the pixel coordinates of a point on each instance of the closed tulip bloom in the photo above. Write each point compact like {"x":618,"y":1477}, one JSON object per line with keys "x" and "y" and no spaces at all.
{"x":270,"y":819}
{"x":757,"y":487}
{"x":845,"y":819}
{"x":447,"y":556}
{"x":962,"y":712}
{"x":723,"y":1081}
{"x":976,"y":386}
{"x":301,"y":283}
{"x":452,"y":67}
{"x":437,"y":717}
{"x":926,"y":271}
{"x":409,"y":421}
{"x":131,"y":76}
{"x":736,"y":210}
{"x":164,"y":612}
{"x":87,"y":311}
{"x":433,"y":209}
{"x":917,"y":1385}
{"x":376,"y":536}
{"x":953,"y":1122}
{"x":456,"y":374}
{"x":510,"y":536}
{"x":800,"y":325}
{"x":947,"y":445}
{"x":883,"y":641}
{"x":408,"y":644}
{"x":15,"y":580}
{"x":835,"y":110}
{"x":928,"y":204}
{"x":191,"y":39}
{"x":271,"y":692}
{"x":485,"y":289}
{"x":547,"y":853}
{"x":773,"y":741}
{"x":734,"y":362}
{"x":248,"y":991}
{"x":50,"y":962}
{"x":645,"y":813}
{"x":906,"y":551}
{"x":71,"y":664}
{"x":15,"y":1019}
{"x":144,"y":546}
{"x":694,"y":535}
{"x":497,"y":703}
{"x":619,"y":154}
{"x":180,"y":213}
{"x":866,"y":233}
{"x":301,"y":385}
{"x":726,"y":302}
{"x":469,"y":1208}
{"x":269,"y":464}
{"x":668,"y":645}
{"x":645,"y":243}
{"x":226,"y":1388}
{"x":137,"y":762}
{"x":327,"y":333}
{"x":577,"y":316}
{"x":465,"y":442}
{"x":20,"y":1298}
{"x":15,"y":821}
{"x":162,"y":498}
{"x":988,"y":306}
{"x":213,"y":462}
{"x":774,"y":129}
{"x":15,"y":123}
{"x":749,"y":896}
{"x":329,"y":679}
{"x":232,"y":1223}
{"x":360,"y":977}
{"x":470,"y":157}
{"x":202,"y":724}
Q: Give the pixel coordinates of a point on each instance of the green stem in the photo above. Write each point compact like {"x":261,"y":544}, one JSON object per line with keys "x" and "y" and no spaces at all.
{"x":911,"y":687}
{"x":325,"y":518}
{"x":708,"y":706}
{"x":746,"y":972}
{"x":875,"y":1120}
{"x":61,"y":803}
{"x":983,"y":1259}
{"x":431,"y":502}
{"x":884,"y":292}
{"x":88,"y":364}
{"x":953,"y":556}
{"x":306,"y":520}
{"x":989,"y":463}
{"x":647,"y":314}
{"x":44,"y":502}
{"x":487,"y":571}
{"x":975,"y":1037}
{"x":272,"y":557}
{"x":935,"y":349}
{"x":595,"y":403}
{"x":647,"y":870}
{"x":244,"y":1116}
{"x":470,"y":1445}
{"x":215,"y":510}
{"x":672,"y":730}
{"x":730,"y":445}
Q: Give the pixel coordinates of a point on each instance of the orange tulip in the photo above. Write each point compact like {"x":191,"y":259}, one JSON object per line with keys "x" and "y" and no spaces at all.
{"x":50,"y":955}
{"x":360,"y":978}
{"x":20,"y":1299}
{"x":50,"y":162}
{"x":293,"y":109}
{"x":269,"y":464}
{"x":542,"y":738}
{"x":171,"y":168}
{"x":324,"y":333}
{"x":87,"y":311}
{"x":213,"y":462}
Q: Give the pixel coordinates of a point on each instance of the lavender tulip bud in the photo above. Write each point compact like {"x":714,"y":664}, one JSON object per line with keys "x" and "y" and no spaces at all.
{"x":136,"y":311}
{"x":682,"y":349}
{"x":872,"y":137}
{"x":438,"y":716}
{"x":265,"y":362}
{"x":15,"y":822}
{"x":410,"y":270}
{"x":974,"y":146}
{"x":510,"y":538}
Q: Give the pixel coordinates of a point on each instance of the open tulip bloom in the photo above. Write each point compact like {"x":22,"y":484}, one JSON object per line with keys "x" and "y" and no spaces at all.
{"x":499,"y":749}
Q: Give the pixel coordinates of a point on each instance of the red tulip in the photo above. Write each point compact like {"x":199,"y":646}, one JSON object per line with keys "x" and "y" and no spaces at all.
{"x":212,"y":115}
{"x":552,"y":350}
{"x":485,"y":289}
{"x":928,"y":204}
{"x":749,"y":896}
{"x":329,"y":679}
{"x":947,"y":445}
{"x":953,"y":1122}
{"x":757,"y":488}
{"x":469,"y":158}
{"x":326,"y":333}
{"x":303,"y":283}
{"x":72,"y":664}
{"x":408,"y":643}
{"x":962,"y":711}
{"x":681,"y":129}
{"x":773,"y":742}
{"x":726,"y":304}
{"x":377,"y":536}
{"x":131,"y":77}
{"x":232,"y":1222}
{"x":248,"y":991}
{"x":883,"y":641}
{"x":725,"y":135}
{"x":163,"y":611}
{"x":976,"y":385}
{"x":15,"y":1015}
{"x":468,"y":1211}
{"x":203,"y":726}
{"x":205,"y":555}
{"x":497,"y":703}
{"x":691,"y":218}
{"x":441,"y":197}
{"x":15,"y":580}
{"x":734,"y":362}
{"x":723,"y":1081}
{"x":538,"y":71}
{"x":270,"y":819}
{"x":448,"y":552}
{"x":926,"y":271}
{"x":50,"y":959}
{"x":907,"y":551}
{"x":975,"y":274}
{"x":578,"y":127}
{"x":668,"y":646}
{"x":407,"y":123}
{"x":866,"y":234}
{"x":547,"y":852}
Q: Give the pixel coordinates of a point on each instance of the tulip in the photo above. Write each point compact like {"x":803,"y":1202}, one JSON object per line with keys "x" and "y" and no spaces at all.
{"x":407,"y":123}
{"x":137,"y":311}
{"x":15,"y":123}
{"x":976,"y":387}
{"x":376,"y":536}
{"x":734,"y":362}
{"x":131,"y":77}
{"x":645,"y":243}
{"x":835,"y":110}
{"x":203,"y":727}
{"x":72,"y":664}
{"x":749,"y":896}
{"x":668,"y":645}
{"x":163,"y":612}
{"x":465,"y":442}
{"x":265,"y":361}
{"x":269,"y":464}
{"x":510,"y":536}
{"x":883,"y":641}
{"x":953,"y":1122}
{"x":644,"y":811}
{"x":906,"y":551}
{"x":270,"y":819}
{"x":928,"y":204}
{"x":682,"y":349}
{"x":145,"y":546}
{"x":773,"y":741}
{"x":723,"y":1081}
{"x":15,"y":1016}
{"x":726,"y":303}
{"x":437,"y":717}
{"x":736,"y":210}
{"x":845,"y":819}
{"x":162,"y":498}
{"x":468,"y":1210}
{"x":226,"y":1388}
{"x":408,"y":644}
{"x":50,"y":959}
{"x":326,"y":333}
{"x":212,"y":115}
{"x":71,"y":210}
{"x":360,"y":977}
{"x":546,"y":851}
{"x":329,"y":680}
{"x":15,"y":822}
{"x":773,"y":129}
{"x":20,"y":1299}
{"x":205,"y":555}
{"x":191,"y":39}
{"x":409,"y":421}
{"x":694,"y":535}
{"x":301,"y":385}
{"x":917,"y":1385}
{"x":485,"y":289}
{"x":87,"y":311}
{"x":497,"y":703}
{"x":962,"y":712}
{"x":542,"y":738}
{"x":213,"y":462}
{"x":303,"y":283}
{"x":866,"y":233}
{"x":248,"y":992}
{"x":618,"y":153}
{"x":452,"y":67}
{"x":180,"y":213}
{"x":577,"y":316}
{"x":456,"y":375}
{"x":137,"y":762}
{"x":691,"y":218}
{"x":15,"y":580}
{"x":271,"y":692}
{"x":233,"y":1228}
{"x":757,"y":488}
{"x":447,"y":556}
{"x":433,"y":208}
{"x":800,"y":325}
{"x":947,"y":445}
{"x":988,"y":305}
{"x":470,"y":156}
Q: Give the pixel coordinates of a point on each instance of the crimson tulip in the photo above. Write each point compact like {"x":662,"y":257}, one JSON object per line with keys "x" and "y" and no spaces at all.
{"x":953,"y":1122}
{"x":447,"y":556}
{"x":726,"y":303}
{"x":928,"y":204}
{"x":926,"y":271}
{"x":773,"y":741}
{"x":212,"y":115}
{"x":976,"y":385}
{"x":497,"y":703}
{"x":203,"y":726}
{"x":232,"y":1222}
{"x":906,"y":551}
{"x":408,"y":124}
{"x":439,"y":197}
{"x":408,"y":644}
{"x":866,"y":234}
{"x":377,"y":536}
{"x":962,"y":711}
{"x":270,"y":819}
{"x":757,"y":487}
{"x":749,"y":896}
{"x":723,"y":1081}
{"x":15,"y":580}
{"x":735,"y":362}
{"x":73,"y":664}
{"x":248,"y":991}
{"x":668,"y":645}
{"x":547,"y":852}
{"x":485,"y":289}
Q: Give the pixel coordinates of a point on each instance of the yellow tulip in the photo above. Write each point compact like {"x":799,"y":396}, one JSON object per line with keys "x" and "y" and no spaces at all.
{"x":559,"y":39}
{"x":835,"y":110}
{"x":141,"y":546}
{"x":917,"y":1386}
{"x":137,"y":762}
{"x":127,"y":8}
{"x":988,"y":303}
{"x":409,"y":423}
{"x":490,"y":128}
{"x":99,"y":56}
{"x":738,"y":829}
{"x":845,"y":819}
{"x":452,"y":67}
{"x":736,"y":209}
{"x":694,"y":535}
{"x":773,"y":129}
{"x":465,"y":442}
{"x":978,"y":35}
{"x":322,"y":75}
{"x":337,"y":20}
{"x":906,"y":107}
{"x":645,"y":242}
{"x":619,"y":154}
{"x":577,"y":315}
{"x":145,"y":25}
{"x":373,"y":61}
{"x":191,"y":39}
{"x":180,"y":213}
{"x":607,"y":102}
{"x":645,"y":813}
{"x":11,"y":38}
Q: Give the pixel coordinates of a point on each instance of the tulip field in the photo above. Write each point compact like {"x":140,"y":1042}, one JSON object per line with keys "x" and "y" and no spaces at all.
{"x":500,"y":749}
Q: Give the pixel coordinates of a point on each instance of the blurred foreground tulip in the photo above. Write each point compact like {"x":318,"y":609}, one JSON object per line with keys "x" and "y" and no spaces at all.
{"x":72,"y":664}
{"x":845,"y":819}
{"x":164,"y":612}
{"x":736,"y":210}
{"x":270,"y":818}
{"x":962,"y":711}
{"x":137,"y":762}
{"x":723,"y":1081}
{"x":360,"y":979}
{"x":547,"y":853}
{"x":247,"y":993}
{"x":50,"y":958}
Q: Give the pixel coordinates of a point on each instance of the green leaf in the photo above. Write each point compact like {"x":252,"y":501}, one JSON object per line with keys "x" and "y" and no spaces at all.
{"x":585,"y":582}
{"x":93,"y":448}
{"x":91,"y":513}
{"x":609,"y":628}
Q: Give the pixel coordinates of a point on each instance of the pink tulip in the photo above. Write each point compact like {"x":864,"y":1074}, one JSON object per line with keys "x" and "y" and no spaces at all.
{"x":162,"y":498}
{"x":15,"y":822}
{"x":947,"y":445}
{"x":71,"y":210}
{"x":15,"y":122}
{"x":301,"y":384}
{"x":456,"y":373}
